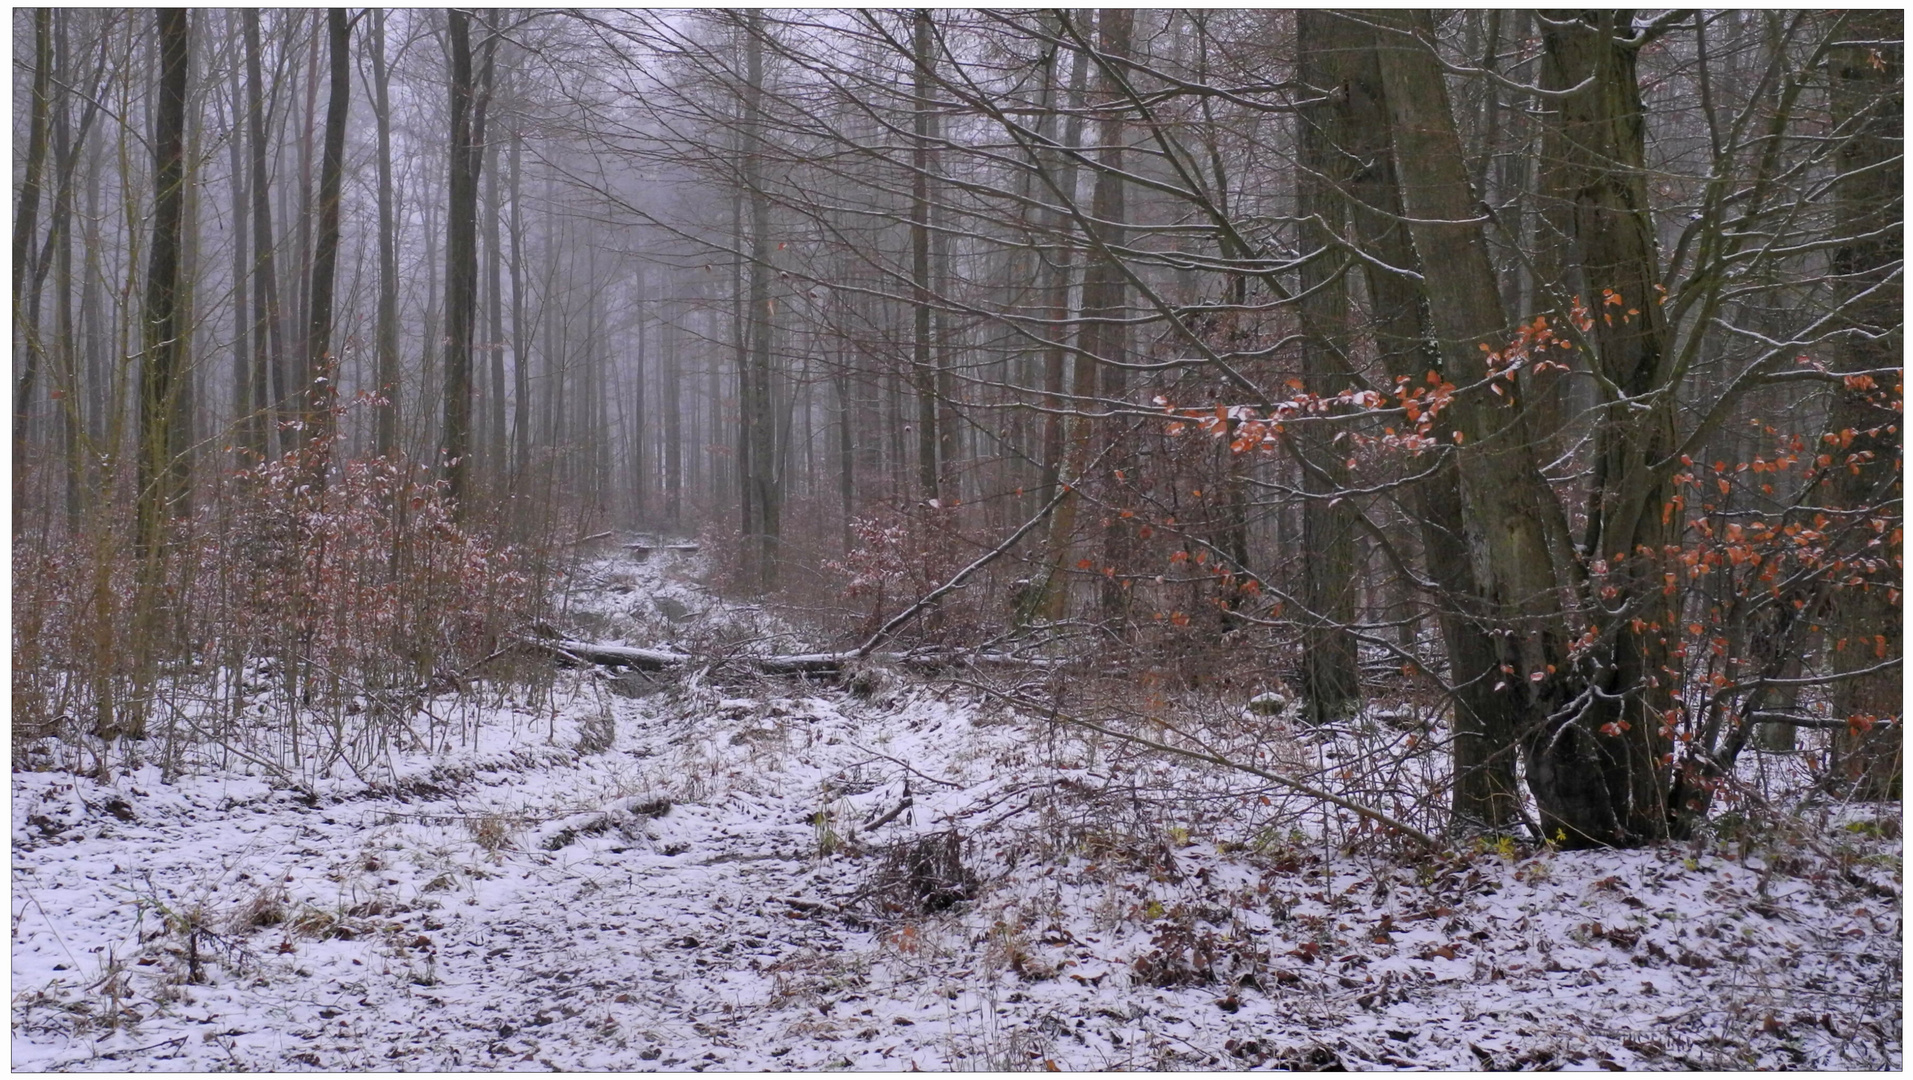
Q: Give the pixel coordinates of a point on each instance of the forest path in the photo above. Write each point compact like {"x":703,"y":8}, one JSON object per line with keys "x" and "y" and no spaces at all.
{"x":685,"y":880}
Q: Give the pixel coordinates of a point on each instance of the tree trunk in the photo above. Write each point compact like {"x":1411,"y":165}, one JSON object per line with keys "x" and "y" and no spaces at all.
{"x":386,"y":441}
{"x":922,"y":366}
{"x":1604,"y":173}
{"x":1102,"y":338}
{"x":321,"y":367}
{"x":673,"y":415}
{"x":303,"y":253}
{"x":756,"y":414}
{"x":1582,"y":778}
{"x":25,"y":224}
{"x":163,"y":370}
{"x":635,"y":429}
{"x":268,"y":343}
{"x":246,"y":397}
{"x":520,"y":331}
{"x":496,"y":463}
{"x":1865,"y":619}
{"x":1331,"y":681}
{"x":468,"y":99}
{"x":1106,"y":289}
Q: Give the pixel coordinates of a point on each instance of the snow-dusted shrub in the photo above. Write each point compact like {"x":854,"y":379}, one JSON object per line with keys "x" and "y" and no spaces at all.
{"x":311,"y":591}
{"x":366,"y":578}
{"x":899,"y":555}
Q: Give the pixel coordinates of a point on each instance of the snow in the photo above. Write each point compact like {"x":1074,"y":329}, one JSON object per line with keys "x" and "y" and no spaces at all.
{"x":712,"y":890}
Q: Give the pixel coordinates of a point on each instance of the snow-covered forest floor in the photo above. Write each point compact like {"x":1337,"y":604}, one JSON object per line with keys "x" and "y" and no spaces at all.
{"x":685,"y":872}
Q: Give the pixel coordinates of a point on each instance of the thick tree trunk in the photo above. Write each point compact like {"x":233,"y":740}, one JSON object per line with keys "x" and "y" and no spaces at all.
{"x":1604,"y":173}
{"x":1485,"y":789}
{"x":1331,"y":681}
{"x":1516,"y":533}
{"x":321,"y":367}
{"x":163,"y":371}
{"x":1866,"y":621}
{"x":468,"y":100}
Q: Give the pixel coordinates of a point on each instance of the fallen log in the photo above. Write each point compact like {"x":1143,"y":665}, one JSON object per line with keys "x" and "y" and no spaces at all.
{"x":820,"y":663}
{"x":826,"y":663}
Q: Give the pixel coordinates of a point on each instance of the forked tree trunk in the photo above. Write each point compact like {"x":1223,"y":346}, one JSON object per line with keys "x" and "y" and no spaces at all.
{"x":1582,"y":779}
{"x":1604,"y":173}
{"x":1485,"y":795}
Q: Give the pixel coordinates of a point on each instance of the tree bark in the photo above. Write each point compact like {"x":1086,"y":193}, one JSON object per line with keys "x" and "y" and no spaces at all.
{"x":321,"y":367}
{"x":922,"y":365}
{"x":1516,"y":533}
{"x":1604,"y":173}
{"x":1059,"y":271}
{"x":672,"y":390}
{"x":762,"y":494}
{"x":1866,"y":620}
{"x":468,"y":100}
{"x":1485,"y":793}
{"x":1331,"y":681}
{"x":268,"y":342}
{"x":1103,"y":339}
{"x":25,"y":223}
{"x":163,"y":478}
{"x":386,"y":440}
{"x":246,"y":398}
{"x":520,"y":330}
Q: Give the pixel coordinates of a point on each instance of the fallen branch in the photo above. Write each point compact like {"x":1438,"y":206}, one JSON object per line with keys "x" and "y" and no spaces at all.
{"x":930,"y":598}
{"x":822,"y":663}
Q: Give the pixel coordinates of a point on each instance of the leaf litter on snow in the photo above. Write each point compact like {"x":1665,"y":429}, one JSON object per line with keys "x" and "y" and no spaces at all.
{"x":706,"y":872}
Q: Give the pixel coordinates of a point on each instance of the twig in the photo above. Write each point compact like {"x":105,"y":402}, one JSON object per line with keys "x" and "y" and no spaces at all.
{"x":1366,"y":812}
{"x":898,"y":621}
{"x":909,"y":768}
